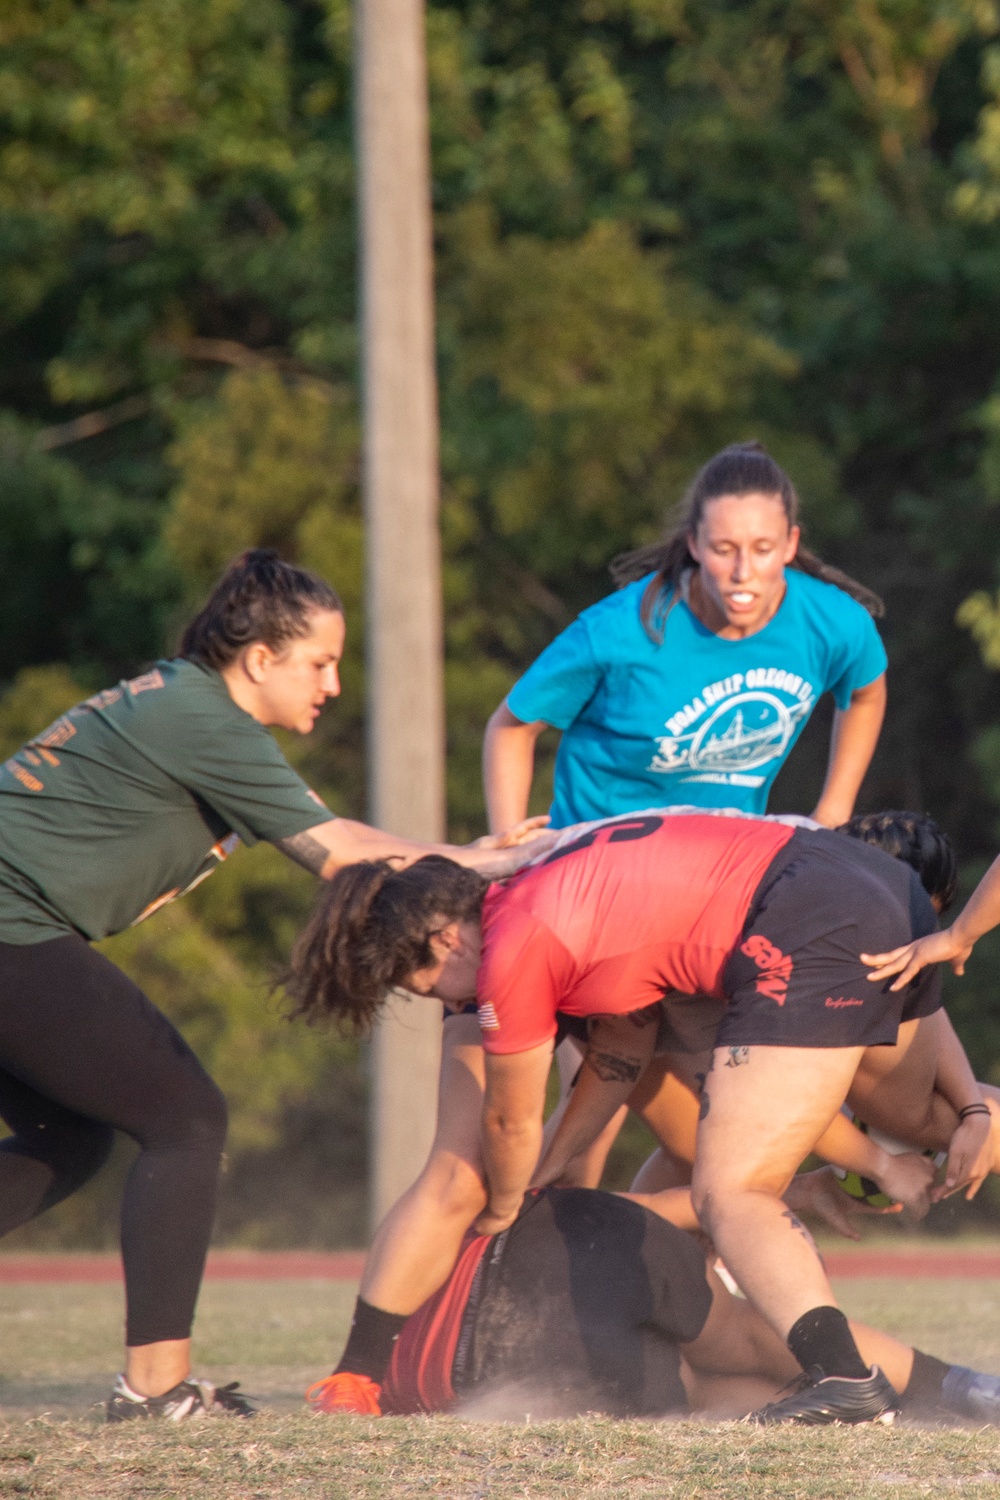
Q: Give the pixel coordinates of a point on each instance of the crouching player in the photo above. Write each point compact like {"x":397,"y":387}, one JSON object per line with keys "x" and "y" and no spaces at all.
{"x":769,"y":917}
{"x":590,"y":1303}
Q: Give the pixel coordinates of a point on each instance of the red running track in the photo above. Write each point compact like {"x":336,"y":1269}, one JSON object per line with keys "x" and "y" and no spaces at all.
{"x":345,"y":1265}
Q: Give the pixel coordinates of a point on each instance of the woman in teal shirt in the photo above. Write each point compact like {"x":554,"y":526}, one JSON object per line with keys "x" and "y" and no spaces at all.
{"x":691,"y":684}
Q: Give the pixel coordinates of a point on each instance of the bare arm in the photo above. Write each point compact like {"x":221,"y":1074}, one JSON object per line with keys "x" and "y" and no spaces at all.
{"x":342,"y":841}
{"x":511,"y":1131}
{"x":951,"y":945}
{"x":508,"y":767}
{"x":906,"y":1178}
{"x":852,"y":744}
{"x":618,"y":1049}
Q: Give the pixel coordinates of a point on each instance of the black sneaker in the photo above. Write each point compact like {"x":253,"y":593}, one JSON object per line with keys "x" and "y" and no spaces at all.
{"x":191,"y":1398}
{"x":816,"y":1400}
{"x":971,"y":1394}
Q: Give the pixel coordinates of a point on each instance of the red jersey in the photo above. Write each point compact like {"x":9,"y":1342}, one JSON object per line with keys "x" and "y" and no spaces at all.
{"x":419,"y":1375}
{"x":633,"y":908}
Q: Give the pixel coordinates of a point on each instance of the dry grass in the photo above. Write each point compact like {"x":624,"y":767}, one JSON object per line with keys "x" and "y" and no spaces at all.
{"x":60,"y":1350}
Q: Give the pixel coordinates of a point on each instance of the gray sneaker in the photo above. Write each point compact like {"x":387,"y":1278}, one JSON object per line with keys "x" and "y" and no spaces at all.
{"x":817,"y":1400}
{"x":191,"y":1398}
{"x":972,"y":1395}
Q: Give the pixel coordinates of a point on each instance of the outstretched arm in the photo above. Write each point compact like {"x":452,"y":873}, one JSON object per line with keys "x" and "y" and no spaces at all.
{"x":952,"y":945}
{"x":508,"y":767}
{"x":342,"y":841}
{"x":853,"y":738}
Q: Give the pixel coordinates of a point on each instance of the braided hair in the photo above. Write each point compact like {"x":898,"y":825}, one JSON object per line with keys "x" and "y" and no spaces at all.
{"x":916,"y":839}
{"x":370,"y":930}
{"x":741,"y":469}
{"x":258,"y":598}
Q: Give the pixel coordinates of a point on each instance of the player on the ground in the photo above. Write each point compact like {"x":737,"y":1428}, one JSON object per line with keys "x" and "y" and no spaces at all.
{"x":590,"y":1303}
{"x":769,"y":916}
{"x":125,"y":802}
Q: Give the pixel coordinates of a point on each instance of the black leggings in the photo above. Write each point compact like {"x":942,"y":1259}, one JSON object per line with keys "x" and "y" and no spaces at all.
{"x":83,"y":1053}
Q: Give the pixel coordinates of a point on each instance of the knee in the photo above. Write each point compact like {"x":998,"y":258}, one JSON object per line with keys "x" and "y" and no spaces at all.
{"x":208,"y":1119}
{"x":453,"y":1186}
{"x":195,"y":1118}
{"x":76,"y":1154}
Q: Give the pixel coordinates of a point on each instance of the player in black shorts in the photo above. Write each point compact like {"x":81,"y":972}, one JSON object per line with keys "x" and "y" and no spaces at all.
{"x":590,"y":1303}
{"x":770,"y":917}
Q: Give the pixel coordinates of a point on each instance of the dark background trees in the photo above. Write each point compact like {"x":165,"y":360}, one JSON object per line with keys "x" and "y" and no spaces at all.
{"x":660,"y":226}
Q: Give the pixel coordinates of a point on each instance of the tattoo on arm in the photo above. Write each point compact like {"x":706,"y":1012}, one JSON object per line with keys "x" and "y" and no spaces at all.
{"x":704,"y":1107}
{"x":796,"y":1223}
{"x":305,"y":851}
{"x":738,"y":1057}
{"x":612,"y":1069}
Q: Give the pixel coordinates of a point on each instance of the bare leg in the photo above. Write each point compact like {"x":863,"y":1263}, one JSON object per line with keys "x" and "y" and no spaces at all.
{"x":736,"y":1345}
{"x":761,"y":1116}
{"x":416,"y":1244}
{"x":154,"y":1369}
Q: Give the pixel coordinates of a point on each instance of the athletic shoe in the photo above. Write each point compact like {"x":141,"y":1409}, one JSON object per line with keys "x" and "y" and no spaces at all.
{"x":971,"y":1394}
{"x":816,"y":1399}
{"x":346,"y":1391}
{"x":190,"y":1398}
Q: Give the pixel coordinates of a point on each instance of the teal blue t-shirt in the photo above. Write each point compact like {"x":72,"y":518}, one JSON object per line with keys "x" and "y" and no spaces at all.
{"x":697,"y":719}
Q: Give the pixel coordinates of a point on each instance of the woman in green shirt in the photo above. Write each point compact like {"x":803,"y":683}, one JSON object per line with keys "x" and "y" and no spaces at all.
{"x":124,"y":803}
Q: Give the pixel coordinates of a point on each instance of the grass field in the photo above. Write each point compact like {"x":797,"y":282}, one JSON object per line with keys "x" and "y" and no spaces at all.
{"x":60,"y":1350}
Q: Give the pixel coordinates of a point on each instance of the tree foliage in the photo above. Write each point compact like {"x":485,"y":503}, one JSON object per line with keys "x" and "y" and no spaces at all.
{"x":660,"y":225}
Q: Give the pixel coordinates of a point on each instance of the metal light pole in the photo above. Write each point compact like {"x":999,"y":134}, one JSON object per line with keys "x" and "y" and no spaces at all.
{"x":403,"y":563}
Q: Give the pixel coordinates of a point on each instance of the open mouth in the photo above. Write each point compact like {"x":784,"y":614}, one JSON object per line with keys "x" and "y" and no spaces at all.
{"x":742,"y":600}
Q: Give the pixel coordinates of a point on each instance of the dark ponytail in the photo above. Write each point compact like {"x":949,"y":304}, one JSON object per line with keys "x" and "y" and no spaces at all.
{"x":370,"y":930}
{"x":916,"y":839}
{"x":740,"y":469}
{"x":258,"y":598}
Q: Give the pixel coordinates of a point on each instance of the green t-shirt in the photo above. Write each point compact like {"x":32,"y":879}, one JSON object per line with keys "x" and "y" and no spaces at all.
{"x":133,"y":797}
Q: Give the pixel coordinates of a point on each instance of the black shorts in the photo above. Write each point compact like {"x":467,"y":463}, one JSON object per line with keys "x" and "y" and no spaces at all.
{"x":796,"y":978}
{"x":581,"y":1307}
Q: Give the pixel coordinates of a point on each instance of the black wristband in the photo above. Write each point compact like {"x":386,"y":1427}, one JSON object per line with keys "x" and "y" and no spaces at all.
{"x":973,"y":1109}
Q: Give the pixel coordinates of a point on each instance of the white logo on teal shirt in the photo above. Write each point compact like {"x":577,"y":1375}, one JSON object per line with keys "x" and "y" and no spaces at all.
{"x":734,"y":726}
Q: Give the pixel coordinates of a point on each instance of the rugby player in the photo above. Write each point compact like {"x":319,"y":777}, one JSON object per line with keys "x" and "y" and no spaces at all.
{"x":768,"y":916}
{"x":591,"y":1303}
{"x":903,"y":1091}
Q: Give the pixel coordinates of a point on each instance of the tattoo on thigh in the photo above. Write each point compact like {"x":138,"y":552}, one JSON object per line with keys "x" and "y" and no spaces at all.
{"x":704,"y":1107}
{"x":304,"y":850}
{"x":796,"y":1223}
{"x":612,"y":1069}
{"x":738,"y":1057}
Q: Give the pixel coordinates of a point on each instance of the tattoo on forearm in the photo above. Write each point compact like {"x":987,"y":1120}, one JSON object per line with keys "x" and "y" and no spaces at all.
{"x":738,"y":1057}
{"x":704,"y":1107}
{"x":612,"y":1069}
{"x":305,"y":850}
{"x":796,"y":1223}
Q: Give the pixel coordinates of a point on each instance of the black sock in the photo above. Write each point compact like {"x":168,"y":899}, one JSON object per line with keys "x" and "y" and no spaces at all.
{"x":369,"y":1343}
{"x":822,"y":1337}
{"x":925,"y":1388}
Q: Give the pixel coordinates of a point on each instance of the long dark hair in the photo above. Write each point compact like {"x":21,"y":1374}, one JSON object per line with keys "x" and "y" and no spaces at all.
{"x":916,"y":839}
{"x":258,"y":598}
{"x":370,"y":929}
{"x":740,"y":469}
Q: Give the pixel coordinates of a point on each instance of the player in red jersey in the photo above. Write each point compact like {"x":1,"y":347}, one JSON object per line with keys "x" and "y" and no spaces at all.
{"x":772,"y":918}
